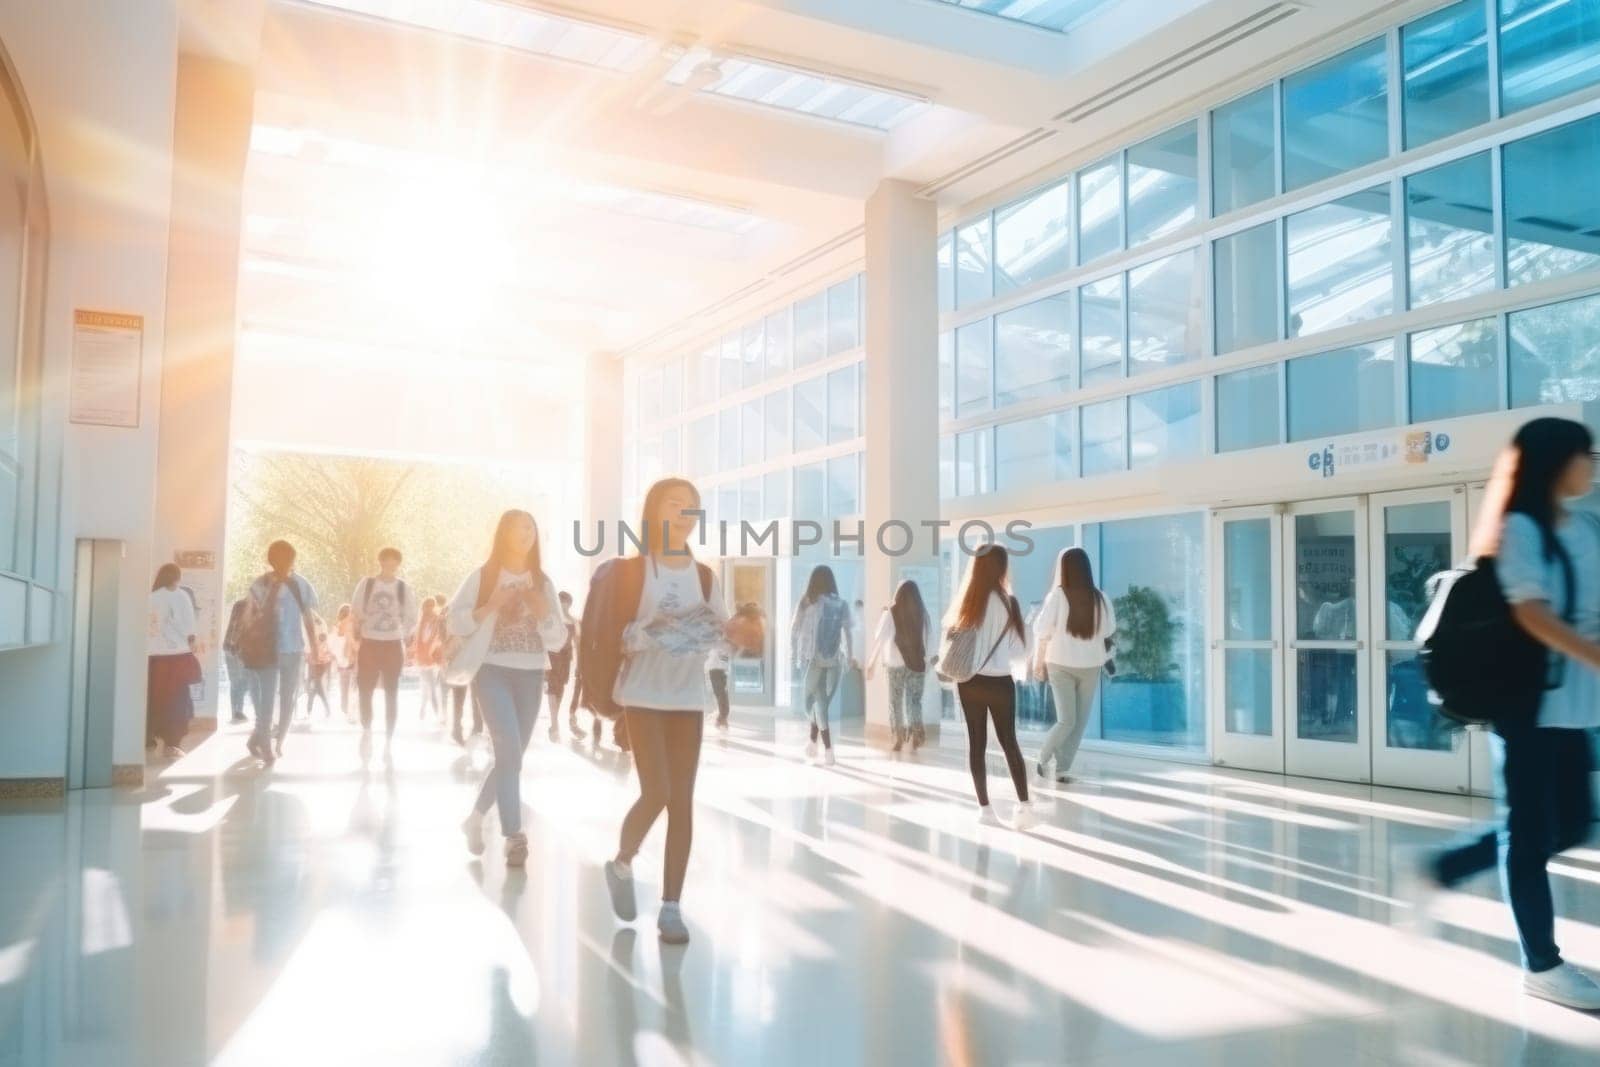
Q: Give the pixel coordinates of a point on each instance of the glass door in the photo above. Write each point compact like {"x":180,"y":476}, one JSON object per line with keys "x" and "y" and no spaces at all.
{"x":1246,"y":658}
{"x":1414,"y":535}
{"x":1326,"y":667}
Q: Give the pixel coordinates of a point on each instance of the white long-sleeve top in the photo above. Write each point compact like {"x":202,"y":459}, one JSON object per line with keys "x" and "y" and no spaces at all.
{"x":520,"y":641}
{"x":1010,"y":656}
{"x":884,"y":643}
{"x":1063,"y":649}
{"x":172,"y":622}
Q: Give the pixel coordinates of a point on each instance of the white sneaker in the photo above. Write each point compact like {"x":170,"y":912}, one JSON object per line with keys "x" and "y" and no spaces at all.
{"x":827,"y":757}
{"x":1024,"y":818}
{"x":987,"y":817}
{"x":1564,"y":984}
{"x":811,"y":750}
{"x":473,"y":828}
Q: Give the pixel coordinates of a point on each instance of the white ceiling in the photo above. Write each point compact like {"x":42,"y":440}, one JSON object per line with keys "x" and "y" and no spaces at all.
{"x":417,"y":188}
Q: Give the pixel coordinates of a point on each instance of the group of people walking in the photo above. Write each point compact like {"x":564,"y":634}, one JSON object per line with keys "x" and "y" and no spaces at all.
{"x":655,"y":631}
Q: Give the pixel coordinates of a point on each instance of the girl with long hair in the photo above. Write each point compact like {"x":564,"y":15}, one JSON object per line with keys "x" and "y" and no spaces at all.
{"x":319,"y":663}
{"x":904,"y":639}
{"x":649,"y":622}
{"x":1547,"y":560}
{"x":171,"y":665}
{"x":821,"y":637}
{"x":986,"y":607}
{"x":1073,"y":634}
{"x":512,"y":594}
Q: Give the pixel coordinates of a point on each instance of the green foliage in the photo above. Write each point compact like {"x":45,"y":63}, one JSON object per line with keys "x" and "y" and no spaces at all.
{"x":1146,"y":634}
{"x":338,"y":511}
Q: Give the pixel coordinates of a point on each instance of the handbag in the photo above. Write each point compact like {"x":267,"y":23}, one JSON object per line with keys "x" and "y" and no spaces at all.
{"x":189,"y":672}
{"x":460,"y":655}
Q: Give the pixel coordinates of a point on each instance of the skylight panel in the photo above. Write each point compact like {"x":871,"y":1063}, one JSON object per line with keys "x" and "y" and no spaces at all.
{"x":1058,"y":15}
{"x":789,"y":89}
{"x":506,"y":23}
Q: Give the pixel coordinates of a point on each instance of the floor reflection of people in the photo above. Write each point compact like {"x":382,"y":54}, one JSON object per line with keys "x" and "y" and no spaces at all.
{"x":511,"y":1037}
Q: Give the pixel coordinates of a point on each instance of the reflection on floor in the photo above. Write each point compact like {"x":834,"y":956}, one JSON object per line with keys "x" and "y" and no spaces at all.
{"x":325,"y":912}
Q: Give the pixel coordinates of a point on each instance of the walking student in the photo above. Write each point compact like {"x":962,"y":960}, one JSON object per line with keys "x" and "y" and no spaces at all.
{"x":649,"y":622}
{"x":426,"y":643}
{"x":509,"y":605}
{"x":276,"y":635}
{"x":717,"y":663}
{"x":555,"y":681}
{"x":172,"y":666}
{"x":1073,"y":639}
{"x":238,"y":678}
{"x":986,"y":608}
{"x":903,"y":640}
{"x":342,"y":642}
{"x":1548,"y":565}
{"x":319,"y":665}
{"x":821,"y":638}
{"x":385,"y":613}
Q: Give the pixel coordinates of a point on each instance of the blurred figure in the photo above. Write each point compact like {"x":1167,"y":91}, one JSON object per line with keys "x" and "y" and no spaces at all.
{"x":986,"y":610}
{"x":821,"y":637}
{"x":172,"y":665}
{"x":238,"y":677}
{"x":555,"y":679}
{"x":717,"y":664}
{"x":342,"y":642}
{"x":1073,"y":642}
{"x":427,"y":641}
{"x":1548,"y":565}
{"x":904,"y":638}
{"x":319,"y":665}
{"x":273,"y":643}
{"x":385,"y":613}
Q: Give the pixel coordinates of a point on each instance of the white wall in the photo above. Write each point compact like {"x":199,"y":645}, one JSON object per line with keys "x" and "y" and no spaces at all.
{"x":100,"y":78}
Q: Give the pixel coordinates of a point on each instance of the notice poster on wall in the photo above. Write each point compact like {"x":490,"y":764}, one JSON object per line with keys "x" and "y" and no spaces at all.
{"x":204,"y":586}
{"x":107,"y":353}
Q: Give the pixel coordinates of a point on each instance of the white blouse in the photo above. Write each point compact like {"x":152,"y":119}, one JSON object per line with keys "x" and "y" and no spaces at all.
{"x":1010,"y":655}
{"x":1063,"y":649}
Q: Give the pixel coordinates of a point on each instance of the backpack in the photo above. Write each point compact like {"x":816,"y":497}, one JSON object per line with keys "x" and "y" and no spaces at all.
{"x":958,"y":652}
{"x":1482,"y":668}
{"x":366,"y":594}
{"x":611,"y":605}
{"x":830,"y":627}
{"x":258,"y":632}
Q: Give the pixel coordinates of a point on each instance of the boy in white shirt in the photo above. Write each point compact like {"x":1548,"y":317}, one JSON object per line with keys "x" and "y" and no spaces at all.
{"x":385,"y":613}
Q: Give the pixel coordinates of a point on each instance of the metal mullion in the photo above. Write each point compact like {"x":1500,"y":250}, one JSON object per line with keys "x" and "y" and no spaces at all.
{"x":1396,"y":109}
{"x":1279,"y":178}
{"x":1491,"y":22}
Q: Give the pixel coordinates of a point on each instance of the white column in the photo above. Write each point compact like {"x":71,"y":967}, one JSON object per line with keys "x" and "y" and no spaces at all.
{"x":211,"y":137}
{"x":902,"y":411}
{"x":602,"y":454}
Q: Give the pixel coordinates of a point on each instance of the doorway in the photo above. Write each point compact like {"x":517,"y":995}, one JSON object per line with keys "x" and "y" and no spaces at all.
{"x":1314,"y":669}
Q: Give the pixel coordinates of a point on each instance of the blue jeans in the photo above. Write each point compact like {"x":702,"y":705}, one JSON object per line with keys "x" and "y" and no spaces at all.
{"x":282,"y":682}
{"x":240,"y":684}
{"x":1543,"y":792}
{"x":510,"y":698}
{"x":820,"y":684}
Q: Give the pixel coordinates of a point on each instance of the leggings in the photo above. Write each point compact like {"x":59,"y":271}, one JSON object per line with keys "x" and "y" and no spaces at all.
{"x":983,"y":696}
{"x":905,"y":703}
{"x":719,"y":689}
{"x":666,"y":749}
{"x":459,"y":700}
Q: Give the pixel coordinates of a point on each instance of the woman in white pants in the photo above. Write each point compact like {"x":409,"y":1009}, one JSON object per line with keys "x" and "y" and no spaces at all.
{"x":1074,"y":630}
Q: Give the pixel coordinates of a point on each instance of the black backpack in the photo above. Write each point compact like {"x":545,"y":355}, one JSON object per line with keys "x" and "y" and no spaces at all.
{"x":1483,"y":669}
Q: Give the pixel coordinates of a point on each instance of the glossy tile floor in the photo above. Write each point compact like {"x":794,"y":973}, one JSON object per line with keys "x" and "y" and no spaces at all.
{"x":326,"y":912}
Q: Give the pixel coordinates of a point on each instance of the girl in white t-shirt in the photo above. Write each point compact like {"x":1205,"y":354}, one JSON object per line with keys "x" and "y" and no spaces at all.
{"x":512,"y":594}
{"x":1073,"y":632}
